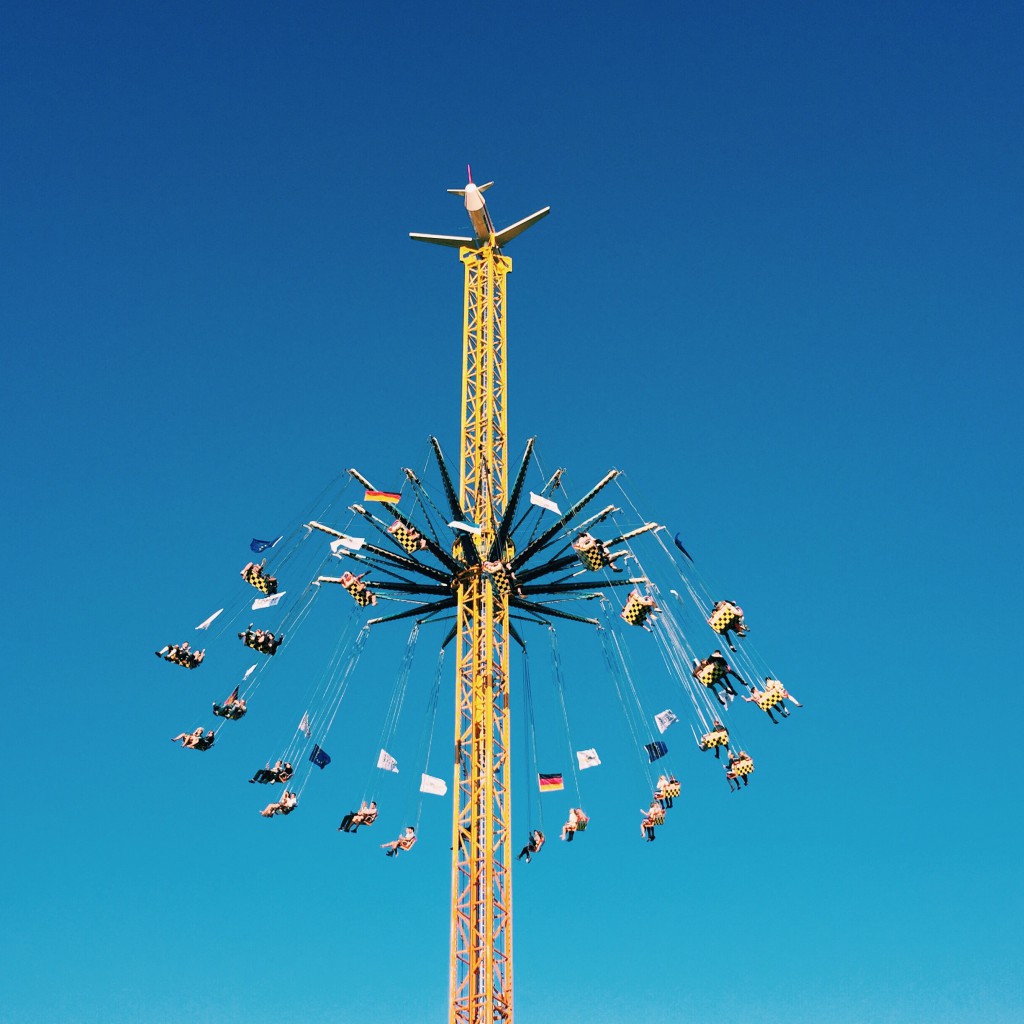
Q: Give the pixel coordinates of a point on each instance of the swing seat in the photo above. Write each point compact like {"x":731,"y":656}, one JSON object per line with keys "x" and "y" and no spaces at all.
{"x":592,"y":553}
{"x":203,"y":744}
{"x":718,"y":738}
{"x":504,"y":579}
{"x":637,"y":609}
{"x":655,"y":819}
{"x":230,"y":711}
{"x":743,"y":767}
{"x":670,"y":792}
{"x":710,"y":674}
{"x":769,"y":699}
{"x":580,"y":826}
{"x":186,"y":659}
{"x":254,"y":575}
{"x":262,"y":646}
{"x":726,"y":618}
{"x":361,"y":593}
{"x":410,"y":539}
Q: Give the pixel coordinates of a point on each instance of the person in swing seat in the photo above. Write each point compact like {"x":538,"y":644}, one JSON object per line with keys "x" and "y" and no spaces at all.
{"x":772,"y":688}
{"x":233,"y":708}
{"x":285,"y":805}
{"x":720,"y":672}
{"x":533,"y":845}
{"x":406,"y":841}
{"x":577,"y":820}
{"x":716,"y":726}
{"x":732,"y":613}
{"x":665,"y":782}
{"x":195,"y":740}
{"x":281,"y":772}
{"x":653,"y":814}
{"x":732,"y":776}
{"x":366,"y":815}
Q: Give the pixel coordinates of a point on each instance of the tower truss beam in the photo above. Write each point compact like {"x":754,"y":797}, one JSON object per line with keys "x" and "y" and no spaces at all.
{"x":481,"y":938}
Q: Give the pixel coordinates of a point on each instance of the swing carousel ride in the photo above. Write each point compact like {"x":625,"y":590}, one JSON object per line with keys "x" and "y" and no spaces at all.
{"x":486,"y":565}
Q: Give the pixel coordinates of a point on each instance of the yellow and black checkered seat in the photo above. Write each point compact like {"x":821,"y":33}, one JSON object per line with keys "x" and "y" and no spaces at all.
{"x":715,"y":738}
{"x":724,"y":618}
{"x":254,"y":575}
{"x":503,"y":577}
{"x":409,"y":538}
{"x":361,"y":593}
{"x":637,"y":609}
{"x":592,"y":553}
{"x":710,"y":673}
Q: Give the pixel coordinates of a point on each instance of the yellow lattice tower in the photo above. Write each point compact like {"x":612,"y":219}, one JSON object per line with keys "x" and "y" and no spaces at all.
{"x":481,"y":938}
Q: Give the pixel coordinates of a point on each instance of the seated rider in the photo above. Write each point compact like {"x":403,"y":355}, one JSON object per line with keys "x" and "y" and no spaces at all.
{"x":233,"y":708}
{"x":665,"y":782}
{"x":169,"y":652}
{"x":577,"y":820}
{"x":181,"y":654}
{"x":705,"y":742}
{"x":653,"y":814}
{"x":772,"y":696}
{"x":774,"y":686}
{"x":732,"y":775}
{"x":727,"y":617}
{"x":190,"y":740}
{"x":406,"y":841}
{"x":254,"y":574}
{"x":195,"y":740}
{"x":713,"y":670}
{"x":262,"y":640}
{"x":285,"y":805}
{"x":281,"y":772}
{"x":366,"y":815}
{"x":533,"y":845}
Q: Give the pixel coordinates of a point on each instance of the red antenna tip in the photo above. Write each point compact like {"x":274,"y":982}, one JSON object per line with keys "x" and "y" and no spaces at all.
{"x":469,"y":174}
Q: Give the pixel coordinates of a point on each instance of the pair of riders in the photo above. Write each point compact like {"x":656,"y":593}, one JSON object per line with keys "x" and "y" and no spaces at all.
{"x":281,"y":772}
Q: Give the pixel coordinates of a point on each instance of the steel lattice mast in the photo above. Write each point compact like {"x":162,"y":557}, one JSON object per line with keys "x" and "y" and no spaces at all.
{"x":481,"y":937}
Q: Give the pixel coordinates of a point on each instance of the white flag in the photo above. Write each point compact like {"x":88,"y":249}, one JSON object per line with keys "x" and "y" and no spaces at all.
{"x":588,"y":758}
{"x":248,"y":672}
{"x":206,"y":624}
{"x":386,"y":761}
{"x":545,"y":503}
{"x":458,"y":524}
{"x":664,"y":720}
{"x":304,"y":725}
{"x":267,"y":602}
{"x":428,"y":784}
{"x":352,"y":543}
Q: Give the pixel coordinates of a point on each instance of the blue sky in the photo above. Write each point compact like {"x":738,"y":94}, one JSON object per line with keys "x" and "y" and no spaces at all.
{"x":779,"y":288}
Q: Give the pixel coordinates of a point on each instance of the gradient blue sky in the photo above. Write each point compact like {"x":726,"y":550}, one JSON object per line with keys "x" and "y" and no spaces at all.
{"x":780,"y":287}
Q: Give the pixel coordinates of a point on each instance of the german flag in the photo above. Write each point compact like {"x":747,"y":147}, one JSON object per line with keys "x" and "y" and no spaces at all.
{"x":391,"y":497}
{"x":550,"y":783}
